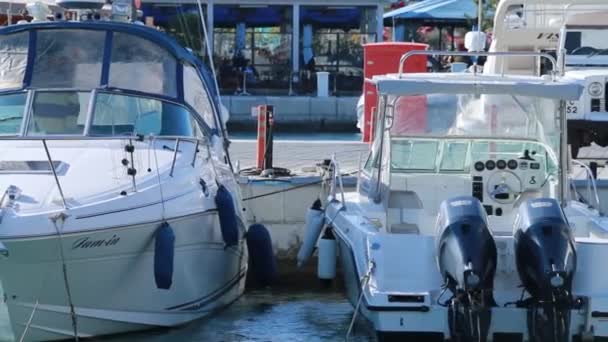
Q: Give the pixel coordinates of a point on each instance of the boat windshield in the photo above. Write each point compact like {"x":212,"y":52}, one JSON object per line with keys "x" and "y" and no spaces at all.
{"x":474,"y":116}
{"x":586,"y":47}
{"x":111,"y":114}
{"x":457,"y":155}
{"x":62,"y":67}
{"x":445,"y":132}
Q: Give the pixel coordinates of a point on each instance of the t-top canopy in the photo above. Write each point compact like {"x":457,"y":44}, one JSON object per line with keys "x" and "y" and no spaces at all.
{"x":462,"y":83}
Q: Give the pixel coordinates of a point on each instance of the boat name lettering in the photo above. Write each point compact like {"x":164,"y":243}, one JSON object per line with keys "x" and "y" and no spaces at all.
{"x":86,"y":242}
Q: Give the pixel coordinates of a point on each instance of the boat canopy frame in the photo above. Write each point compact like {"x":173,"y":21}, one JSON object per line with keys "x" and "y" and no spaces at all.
{"x":182,"y":57}
{"x":412,"y":84}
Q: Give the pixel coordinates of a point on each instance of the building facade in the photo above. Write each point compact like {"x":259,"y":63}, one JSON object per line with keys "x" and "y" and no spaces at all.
{"x":276,"y":47}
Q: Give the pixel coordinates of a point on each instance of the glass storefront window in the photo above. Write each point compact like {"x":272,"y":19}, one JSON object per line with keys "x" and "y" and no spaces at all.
{"x":331,"y":41}
{"x":252,"y":48}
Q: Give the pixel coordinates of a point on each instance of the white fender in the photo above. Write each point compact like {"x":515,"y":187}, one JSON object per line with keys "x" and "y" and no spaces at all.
{"x":315,"y":219}
{"x":326,"y":268}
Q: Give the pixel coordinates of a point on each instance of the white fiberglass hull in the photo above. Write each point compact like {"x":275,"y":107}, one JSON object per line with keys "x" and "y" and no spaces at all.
{"x":403,"y":295}
{"x":110,"y":274}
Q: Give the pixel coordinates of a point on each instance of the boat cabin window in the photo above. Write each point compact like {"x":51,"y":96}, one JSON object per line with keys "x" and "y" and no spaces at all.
{"x":141,"y":65}
{"x":58,"y":112}
{"x":13,"y":49}
{"x":454,"y":156}
{"x":11,"y":113}
{"x":414,"y":154}
{"x":68,"y":59}
{"x":117,"y":114}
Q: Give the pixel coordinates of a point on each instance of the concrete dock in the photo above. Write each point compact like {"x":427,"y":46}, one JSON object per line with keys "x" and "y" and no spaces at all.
{"x":331,"y":112}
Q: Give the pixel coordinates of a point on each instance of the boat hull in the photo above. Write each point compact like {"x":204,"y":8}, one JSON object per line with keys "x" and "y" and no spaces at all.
{"x":110,"y":275}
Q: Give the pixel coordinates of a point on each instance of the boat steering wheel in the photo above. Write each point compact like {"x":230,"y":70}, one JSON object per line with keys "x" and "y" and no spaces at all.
{"x":504,"y":187}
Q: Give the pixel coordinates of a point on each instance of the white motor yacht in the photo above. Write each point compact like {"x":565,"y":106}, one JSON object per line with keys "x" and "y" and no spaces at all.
{"x":119,"y":210}
{"x":468,"y":230}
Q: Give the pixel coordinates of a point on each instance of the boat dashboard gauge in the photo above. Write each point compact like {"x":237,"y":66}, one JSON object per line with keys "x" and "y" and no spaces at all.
{"x":479,"y":166}
{"x":490,"y":165}
{"x":512,"y":164}
{"x":501,"y":164}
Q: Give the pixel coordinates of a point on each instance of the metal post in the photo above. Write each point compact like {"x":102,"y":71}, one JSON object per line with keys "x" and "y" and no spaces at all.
{"x":380,"y":23}
{"x":52,"y":166}
{"x":563,"y":154}
{"x":195,"y":153}
{"x":210,"y":25}
{"x":174,"y":157}
{"x":295,"y":39}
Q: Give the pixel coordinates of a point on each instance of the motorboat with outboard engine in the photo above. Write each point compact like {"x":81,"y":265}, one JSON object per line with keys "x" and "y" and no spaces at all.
{"x":119,"y":210}
{"x":466,"y":229}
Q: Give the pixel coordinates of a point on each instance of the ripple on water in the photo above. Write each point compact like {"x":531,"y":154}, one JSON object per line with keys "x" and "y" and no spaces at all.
{"x":261,"y":316}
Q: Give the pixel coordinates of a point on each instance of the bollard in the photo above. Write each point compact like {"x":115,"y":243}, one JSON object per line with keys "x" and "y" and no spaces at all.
{"x":265,"y":134}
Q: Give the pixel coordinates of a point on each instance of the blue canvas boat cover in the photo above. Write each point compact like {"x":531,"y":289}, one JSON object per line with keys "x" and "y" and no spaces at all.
{"x":439,"y":10}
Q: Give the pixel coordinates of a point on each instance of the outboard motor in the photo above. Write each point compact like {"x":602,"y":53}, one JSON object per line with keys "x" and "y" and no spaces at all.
{"x":546,"y":261}
{"x":466,"y":255}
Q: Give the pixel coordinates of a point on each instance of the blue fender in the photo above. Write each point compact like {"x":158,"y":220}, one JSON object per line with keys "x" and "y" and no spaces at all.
{"x":228,"y":216}
{"x":262,"y":260}
{"x":163,"y":256}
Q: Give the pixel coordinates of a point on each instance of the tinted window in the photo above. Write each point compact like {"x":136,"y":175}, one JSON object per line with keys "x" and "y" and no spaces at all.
{"x":142,"y":65}
{"x":60,"y":112}
{"x":117,"y":114}
{"x":11,"y":113}
{"x":68,"y":58}
{"x":13,"y":49}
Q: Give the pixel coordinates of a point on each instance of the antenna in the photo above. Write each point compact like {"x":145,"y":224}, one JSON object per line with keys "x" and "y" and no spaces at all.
{"x":208,"y":45}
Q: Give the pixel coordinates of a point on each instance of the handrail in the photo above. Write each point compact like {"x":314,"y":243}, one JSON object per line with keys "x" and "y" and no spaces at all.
{"x":104,"y":137}
{"x":52,"y":166}
{"x":336,"y":175}
{"x":409,"y":54}
{"x":591,"y":183}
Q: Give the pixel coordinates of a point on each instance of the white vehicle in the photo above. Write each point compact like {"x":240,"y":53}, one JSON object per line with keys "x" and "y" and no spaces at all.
{"x":466,"y":230}
{"x":578,"y":27}
{"x":118,"y":208}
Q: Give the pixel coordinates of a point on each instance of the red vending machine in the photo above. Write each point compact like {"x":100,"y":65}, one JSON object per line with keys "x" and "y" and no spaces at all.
{"x":383,"y":58}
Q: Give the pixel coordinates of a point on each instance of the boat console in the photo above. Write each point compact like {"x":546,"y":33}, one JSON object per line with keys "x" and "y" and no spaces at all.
{"x":499,"y":181}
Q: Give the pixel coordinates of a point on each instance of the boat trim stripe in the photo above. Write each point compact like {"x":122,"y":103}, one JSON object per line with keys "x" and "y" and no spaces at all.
{"x":205,"y":300}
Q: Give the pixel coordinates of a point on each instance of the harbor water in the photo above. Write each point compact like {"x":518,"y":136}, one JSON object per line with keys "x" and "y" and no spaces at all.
{"x":258,"y":316}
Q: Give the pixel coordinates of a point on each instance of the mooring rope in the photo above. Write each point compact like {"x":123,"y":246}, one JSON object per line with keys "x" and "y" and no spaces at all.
{"x":62,"y":216}
{"x":29,"y":321}
{"x":363,"y":283}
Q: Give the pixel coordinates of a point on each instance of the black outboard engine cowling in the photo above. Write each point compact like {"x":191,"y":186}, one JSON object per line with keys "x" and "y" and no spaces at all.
{"x":466,"y":255}
{"x":546,"y":262}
